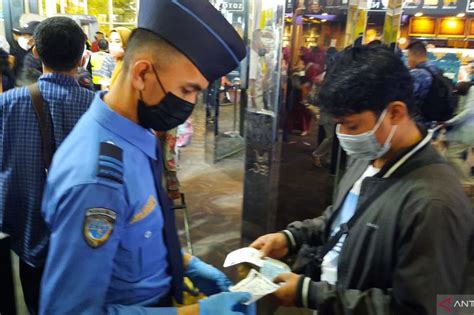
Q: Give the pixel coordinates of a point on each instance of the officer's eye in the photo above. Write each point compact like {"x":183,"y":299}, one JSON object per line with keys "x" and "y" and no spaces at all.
{"x":186,"y":91}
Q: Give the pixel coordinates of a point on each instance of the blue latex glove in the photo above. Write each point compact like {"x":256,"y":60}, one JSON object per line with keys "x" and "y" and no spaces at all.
{"x":223,"y":303}
{"x":207,"y":279}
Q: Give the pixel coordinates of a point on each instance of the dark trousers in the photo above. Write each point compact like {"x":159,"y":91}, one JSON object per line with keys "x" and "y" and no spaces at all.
{"x":30,"y":278}
{"x":7,"y":288}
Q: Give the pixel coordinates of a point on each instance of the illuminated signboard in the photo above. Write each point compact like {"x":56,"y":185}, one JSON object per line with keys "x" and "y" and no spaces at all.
{"x":422,"y":26}
{"x":452,"y":27}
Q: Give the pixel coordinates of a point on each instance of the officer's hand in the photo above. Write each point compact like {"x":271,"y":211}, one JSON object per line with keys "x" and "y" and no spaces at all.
{"x":206,"y":278}
{"x":286,"y":294}
{"x":224,"y":303}
{"x":272,"y":245}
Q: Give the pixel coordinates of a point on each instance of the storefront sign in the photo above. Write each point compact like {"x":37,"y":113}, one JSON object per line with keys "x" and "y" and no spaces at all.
{"x":450,"y":4}
{"x":412,"y":4}
{"x":430,"y":4}
{"x":437,"y":7}
{"x":422,"y":26}
{"x":470,"y":6}
{"x":378,"y":5}
{"x":233,"y":5}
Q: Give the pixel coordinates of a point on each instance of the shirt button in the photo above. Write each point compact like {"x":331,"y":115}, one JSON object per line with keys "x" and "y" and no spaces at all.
{"x":148,"y":234}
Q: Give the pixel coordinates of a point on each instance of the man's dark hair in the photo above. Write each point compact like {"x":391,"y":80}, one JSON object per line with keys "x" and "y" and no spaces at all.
{"x":375,"y":43}
{"x":99,"y":33}
{"x":142,"y":40}
{"x":103,"y":44}
{"x":365,"y":79}
{"x":418,"y":48}
{"x":60,"y":43}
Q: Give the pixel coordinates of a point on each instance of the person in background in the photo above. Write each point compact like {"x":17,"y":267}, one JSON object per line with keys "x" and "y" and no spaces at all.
{"x":323,"y":153}
{"x":22,"y":43}
{"x":400,"y":230}
{"x":168,"y":141}
{"x":4,"y":44}
{"x":419,"y":65}
{"x":95,"y":45}
{"x":22,"y":167}
{"x":466,"y":73}
{"x":84,"y":74}
{"x":330,"y":56}
{"x":434,"y":97}
{"x":300,"y":117}
{"x":102,"y":66}
{"x":7,"y":78}
{"x":118,"y":44}
{"x":257,"y":75}
{"x":460,"y":135}
{"x":114,"y":245}
{"x":31,"y":71}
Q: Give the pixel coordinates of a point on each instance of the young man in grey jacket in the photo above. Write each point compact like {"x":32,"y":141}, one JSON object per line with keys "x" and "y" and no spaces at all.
{"x":400,"y":229}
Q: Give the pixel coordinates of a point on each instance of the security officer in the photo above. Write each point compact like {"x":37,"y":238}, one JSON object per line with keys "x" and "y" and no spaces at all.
{"x":113,"y":246}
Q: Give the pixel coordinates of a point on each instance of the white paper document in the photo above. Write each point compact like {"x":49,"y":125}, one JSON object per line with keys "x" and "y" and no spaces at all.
{"x":246,"y":254}
{"x":256,"y":284}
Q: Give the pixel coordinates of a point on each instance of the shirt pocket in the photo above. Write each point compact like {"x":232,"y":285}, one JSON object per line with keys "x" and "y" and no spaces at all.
{"x":141,"y":250}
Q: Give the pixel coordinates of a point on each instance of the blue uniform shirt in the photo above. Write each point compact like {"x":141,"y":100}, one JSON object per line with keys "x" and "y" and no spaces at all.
{"x":107,"y":252}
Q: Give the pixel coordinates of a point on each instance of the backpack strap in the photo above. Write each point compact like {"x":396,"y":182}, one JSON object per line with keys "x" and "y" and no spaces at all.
{"x":46,"y":133}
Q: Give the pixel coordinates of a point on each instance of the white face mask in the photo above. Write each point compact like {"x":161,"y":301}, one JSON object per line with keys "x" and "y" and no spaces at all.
{"x":24,"y":43}
{"x":365,"y":145}
{"x":116,"y":50}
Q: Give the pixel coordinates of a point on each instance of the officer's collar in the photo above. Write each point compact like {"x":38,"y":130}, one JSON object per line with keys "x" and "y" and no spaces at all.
{"x":133,"y":133}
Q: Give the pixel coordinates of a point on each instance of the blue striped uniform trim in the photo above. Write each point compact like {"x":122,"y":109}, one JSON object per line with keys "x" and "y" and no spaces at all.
{"x":109,"y":159}
{"x":209,"y":29}
{"x":110,"y":173}
{"x":119,"y":169}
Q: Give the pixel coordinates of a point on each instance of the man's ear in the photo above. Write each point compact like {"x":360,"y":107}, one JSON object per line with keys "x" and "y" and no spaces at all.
{"x":138,"y":72}
{"x":397,"y":112}
{"x":35,"y":53}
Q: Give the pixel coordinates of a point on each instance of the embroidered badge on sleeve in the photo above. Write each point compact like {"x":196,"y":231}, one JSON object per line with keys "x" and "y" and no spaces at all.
{"x":98,"y":226}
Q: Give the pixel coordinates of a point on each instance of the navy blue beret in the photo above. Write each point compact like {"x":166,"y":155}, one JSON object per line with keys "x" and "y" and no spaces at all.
{"x":198,"y":30}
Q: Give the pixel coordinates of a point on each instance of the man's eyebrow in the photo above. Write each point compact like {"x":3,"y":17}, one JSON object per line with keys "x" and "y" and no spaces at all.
{"x":196,"y":87}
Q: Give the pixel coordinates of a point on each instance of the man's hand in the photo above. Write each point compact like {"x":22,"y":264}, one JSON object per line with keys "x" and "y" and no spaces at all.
{"x":287,"y":293}
{"x":206,"y":278}
{"x":224,"y":303}
{"x":272,"y":245}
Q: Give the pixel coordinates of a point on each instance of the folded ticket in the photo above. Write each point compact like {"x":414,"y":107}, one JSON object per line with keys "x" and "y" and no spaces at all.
{"x":256,"y":284}
{"x":243,"y":255}
{"x":270,"y":268}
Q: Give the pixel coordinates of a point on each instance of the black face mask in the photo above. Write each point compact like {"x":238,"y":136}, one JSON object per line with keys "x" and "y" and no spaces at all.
{"x":169,"y":113}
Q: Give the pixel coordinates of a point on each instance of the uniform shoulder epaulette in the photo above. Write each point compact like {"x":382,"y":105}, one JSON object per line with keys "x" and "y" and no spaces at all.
{"x":110,"y":164}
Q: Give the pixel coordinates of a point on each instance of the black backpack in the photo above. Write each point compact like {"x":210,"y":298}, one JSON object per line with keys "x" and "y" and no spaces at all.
{"x":440,"y":102}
